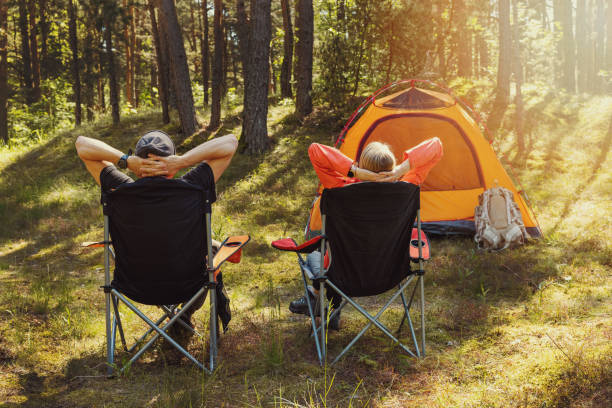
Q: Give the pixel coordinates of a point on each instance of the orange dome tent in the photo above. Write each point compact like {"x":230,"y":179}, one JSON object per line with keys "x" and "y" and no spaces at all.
{"x":404,"y":118}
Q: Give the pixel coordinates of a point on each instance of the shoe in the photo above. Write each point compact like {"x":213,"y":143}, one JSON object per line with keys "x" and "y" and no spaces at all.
{"x":334,"y":322}
{"x":300,"y":306}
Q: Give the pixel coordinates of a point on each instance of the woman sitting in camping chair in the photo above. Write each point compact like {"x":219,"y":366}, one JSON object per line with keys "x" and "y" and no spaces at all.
{"x":377,"y":163}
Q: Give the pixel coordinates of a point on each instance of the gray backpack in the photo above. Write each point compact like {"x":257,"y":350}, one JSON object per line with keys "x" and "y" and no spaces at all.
{"x":498,"y":221}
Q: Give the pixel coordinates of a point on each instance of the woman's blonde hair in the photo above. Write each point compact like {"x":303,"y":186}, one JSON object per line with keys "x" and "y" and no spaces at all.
{"x":377,"y":157}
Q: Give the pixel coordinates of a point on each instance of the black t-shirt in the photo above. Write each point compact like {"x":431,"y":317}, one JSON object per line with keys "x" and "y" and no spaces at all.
{"x":201,"y":175}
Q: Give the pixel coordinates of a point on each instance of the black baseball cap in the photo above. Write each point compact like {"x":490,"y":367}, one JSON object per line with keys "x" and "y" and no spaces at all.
{"x":155,"y":142}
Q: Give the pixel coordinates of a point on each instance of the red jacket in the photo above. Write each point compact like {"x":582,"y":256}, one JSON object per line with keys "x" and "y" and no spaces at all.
{"x":332,"y":167}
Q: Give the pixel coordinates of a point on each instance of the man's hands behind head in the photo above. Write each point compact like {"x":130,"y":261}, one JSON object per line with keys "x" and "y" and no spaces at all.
{"x":154,"y":166}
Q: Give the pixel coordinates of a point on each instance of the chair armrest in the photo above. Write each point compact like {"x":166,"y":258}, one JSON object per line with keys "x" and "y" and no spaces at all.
{"x":289,"y":244}
{"x":414,"y":246}
{"x":93,"y":244}
{"x":230,"y":250}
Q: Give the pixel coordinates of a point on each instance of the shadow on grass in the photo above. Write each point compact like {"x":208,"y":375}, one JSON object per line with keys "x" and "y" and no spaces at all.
{"x":575,"y":196}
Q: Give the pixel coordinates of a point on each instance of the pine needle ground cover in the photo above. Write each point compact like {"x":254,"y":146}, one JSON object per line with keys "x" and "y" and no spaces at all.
{"x":525,"y":327}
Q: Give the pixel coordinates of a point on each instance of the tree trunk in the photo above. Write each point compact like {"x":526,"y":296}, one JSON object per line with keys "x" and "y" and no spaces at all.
{"x":76,"y":80}
{"x":464,"y":37}
{"x":44,"y":36}
{"x":129,"y":85}
{"x":25,"y":49}
{"x":205,"y":54}
{"x":581,"y":45}
{"x":36,"y":94}
{"x":502,"y":93}
{"x":89,"y":77}
{"x":179,"y":68}
{"x":518,"y":80}
{"x":285,"y":76}
{"x":563,"y":19}
{"x":162,"y":65}
{"x":3,"y":72}
{"x":304,"y":26}
{"x":600,"y":33}
{"x":254,"y":127}
{"x":112,"y":74}
{"x":608,"y":60}
{"x":217,"y":67}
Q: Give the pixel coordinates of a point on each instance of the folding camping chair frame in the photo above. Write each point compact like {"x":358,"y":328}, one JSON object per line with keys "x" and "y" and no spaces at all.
{"x":170,"y":312}
{"x":319,"y":331}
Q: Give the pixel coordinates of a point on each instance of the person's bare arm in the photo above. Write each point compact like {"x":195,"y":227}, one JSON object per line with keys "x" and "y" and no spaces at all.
{"x":97,"y":155}
{"x":217,"y":153}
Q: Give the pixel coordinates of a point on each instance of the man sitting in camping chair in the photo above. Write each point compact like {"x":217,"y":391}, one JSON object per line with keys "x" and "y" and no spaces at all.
{"x":161,"y":232}
{"x":377,"y":164}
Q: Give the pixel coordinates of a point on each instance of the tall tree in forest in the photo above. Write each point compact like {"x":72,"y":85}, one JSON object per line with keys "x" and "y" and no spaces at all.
{"x":581,"y":45}
{"x":464,"y":41}
{"x":217,"y":67}
{"x":44,"y":36}
{"x":608,"y":59}
{"x":287,"y":65}
{"x":242,"y":31}
{"x":304,"y":27}
{"x":179,"y":68}
{"x":563,"y":20}
{"x":25,"y":49}
{"x":517,"y":69}
{"x":36,"y":93}
{"x":129,"y":53}
{"x":109,"y":13}
{"x":162,"y":64}
{"x":204,"y":49}
{"x":76,"y":80}
{"x":600,"y":34}
{"x":3,"y":71}
{"x":502,"y":92}
{"x":254,"y":126}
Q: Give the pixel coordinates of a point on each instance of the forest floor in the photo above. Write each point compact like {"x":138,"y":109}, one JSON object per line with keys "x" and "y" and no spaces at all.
{"x":527,"y":327}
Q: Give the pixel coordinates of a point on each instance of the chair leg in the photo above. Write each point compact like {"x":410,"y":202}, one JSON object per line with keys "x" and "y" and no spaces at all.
{"x":119,"y":325}
{"x":323,"y":322}
{"x":110,"y":356}
{"x":315,"y":333}
{"x":213,"y":329}
{"x":407,"y":316}
{"x":422,"y":284}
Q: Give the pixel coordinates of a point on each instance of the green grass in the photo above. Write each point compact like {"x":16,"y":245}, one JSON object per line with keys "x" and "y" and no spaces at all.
{"x":526,"y":327}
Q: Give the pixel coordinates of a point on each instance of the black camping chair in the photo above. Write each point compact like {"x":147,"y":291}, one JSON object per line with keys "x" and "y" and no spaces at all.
{"x":370,"y":240}
{"x":162,"y":248}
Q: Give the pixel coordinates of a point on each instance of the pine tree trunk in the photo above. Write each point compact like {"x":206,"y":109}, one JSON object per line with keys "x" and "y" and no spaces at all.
{"x":464,"y":39}
{"x":217,"y":67}
{"x":254,"y":127}
{"x":285,"y":76}
{"x":44,"y":37}
{"x":25,"y":49}
{"x":518,"y":78}
{"x":608,"y":60}
{"x":129,"y":85}
{"x":600,"y":34}
{"x":111,"y":71}
{"x":179,"y":68}
{"x":502,"y":93}
{"x":205,"y":54}
{"x":76,"y":80}
{"x":581,"y":45}
{"x":3,"y":72}
{"x":589,"y":63}
{"x":36,"y":94}
{"x":304,"y":27}
{"x":89,"y":77}
{"x":162,"y":65}
{"x":566,"y":54}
